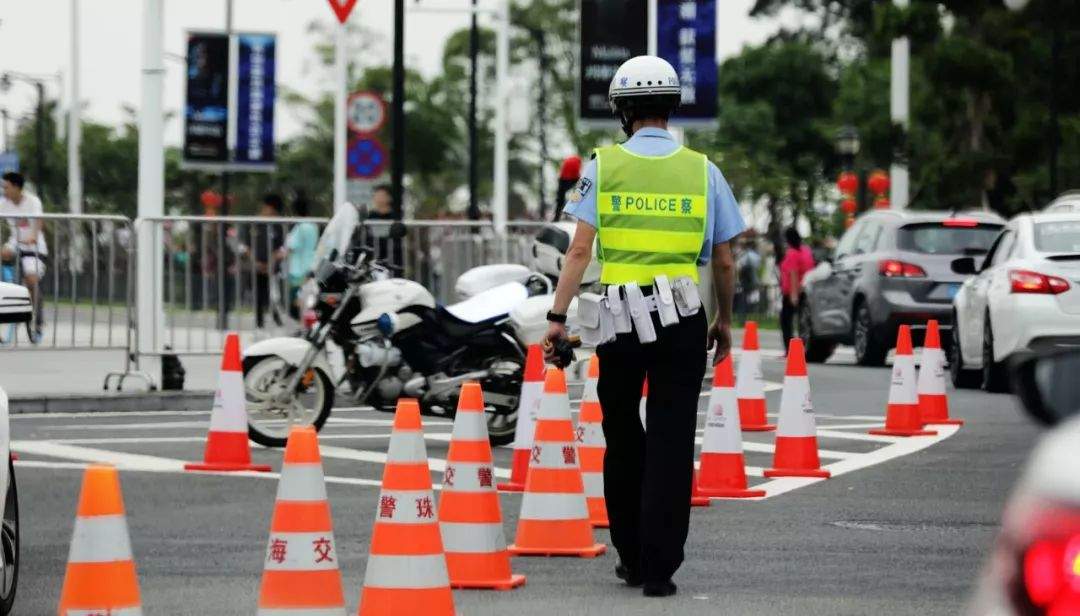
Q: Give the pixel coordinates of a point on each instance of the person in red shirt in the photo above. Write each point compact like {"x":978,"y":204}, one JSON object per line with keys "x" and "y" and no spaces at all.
{"x":797,"y":261}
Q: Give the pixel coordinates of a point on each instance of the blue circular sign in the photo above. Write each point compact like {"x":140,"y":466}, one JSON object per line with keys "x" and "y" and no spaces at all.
{"x":366,"y":158}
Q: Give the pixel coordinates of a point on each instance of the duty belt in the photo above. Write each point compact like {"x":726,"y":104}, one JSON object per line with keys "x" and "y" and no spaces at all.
{"x":625,"y":308}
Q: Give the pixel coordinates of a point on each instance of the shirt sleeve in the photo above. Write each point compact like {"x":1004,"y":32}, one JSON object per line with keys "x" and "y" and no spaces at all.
{"x":727,"y":219}
{"x":582,"y":201}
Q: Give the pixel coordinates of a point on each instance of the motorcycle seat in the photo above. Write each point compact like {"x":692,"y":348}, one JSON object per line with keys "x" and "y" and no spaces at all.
{"x":456,"y":327}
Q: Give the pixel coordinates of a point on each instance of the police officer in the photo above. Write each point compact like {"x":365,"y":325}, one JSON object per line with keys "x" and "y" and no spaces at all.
{"x":659,"y":211}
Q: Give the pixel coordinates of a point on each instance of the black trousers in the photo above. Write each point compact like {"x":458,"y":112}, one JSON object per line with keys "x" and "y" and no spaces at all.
{"x":787,"y":320}
{"x":648,"y":473}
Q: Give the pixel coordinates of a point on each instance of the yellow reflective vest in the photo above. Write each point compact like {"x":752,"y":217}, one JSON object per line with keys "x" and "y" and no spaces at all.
{"x":650,"y":214}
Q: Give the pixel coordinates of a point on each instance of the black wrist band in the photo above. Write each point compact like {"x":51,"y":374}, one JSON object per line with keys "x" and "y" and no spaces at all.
{"x":554,"y":317}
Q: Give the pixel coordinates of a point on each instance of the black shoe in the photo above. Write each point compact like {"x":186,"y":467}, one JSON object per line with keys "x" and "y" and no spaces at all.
{"x":659,"y":589}
{"x":632,"y":578}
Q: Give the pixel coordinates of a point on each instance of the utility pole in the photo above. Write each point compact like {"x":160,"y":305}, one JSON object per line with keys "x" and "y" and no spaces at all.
{"x":899,"y":112}
{"x":74,"y":140}
{"x":397,"y":116}
{"x":474,"y":51}
{"x":151,"y":184}
{"x":500,"y":200}
{"x":341,"y":73}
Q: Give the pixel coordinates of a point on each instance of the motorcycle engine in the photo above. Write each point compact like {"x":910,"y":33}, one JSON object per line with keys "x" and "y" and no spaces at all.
{"x":390,"y":388}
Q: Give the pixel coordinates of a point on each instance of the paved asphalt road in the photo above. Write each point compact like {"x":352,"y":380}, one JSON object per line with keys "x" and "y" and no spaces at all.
{"x":905,"y":536}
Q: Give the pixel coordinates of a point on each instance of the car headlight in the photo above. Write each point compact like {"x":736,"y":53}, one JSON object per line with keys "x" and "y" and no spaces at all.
{"x":387,"y":324}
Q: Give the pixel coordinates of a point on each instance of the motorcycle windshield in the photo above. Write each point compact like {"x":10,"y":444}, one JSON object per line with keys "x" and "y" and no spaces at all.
{"x":337,"y":235}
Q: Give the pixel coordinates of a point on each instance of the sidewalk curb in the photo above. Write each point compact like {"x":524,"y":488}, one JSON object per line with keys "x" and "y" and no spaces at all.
{"x":115,"y":402}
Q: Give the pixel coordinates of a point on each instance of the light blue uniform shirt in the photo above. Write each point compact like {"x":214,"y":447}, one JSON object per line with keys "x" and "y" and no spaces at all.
{"x":723,"y":220}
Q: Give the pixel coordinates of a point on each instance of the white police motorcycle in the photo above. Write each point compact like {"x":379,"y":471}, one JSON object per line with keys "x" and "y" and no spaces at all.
{"x":396,"y":341}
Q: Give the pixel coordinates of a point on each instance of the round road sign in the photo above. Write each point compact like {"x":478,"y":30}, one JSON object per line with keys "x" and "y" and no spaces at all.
{"x":366,"y":158}
{"x":366,"y":112}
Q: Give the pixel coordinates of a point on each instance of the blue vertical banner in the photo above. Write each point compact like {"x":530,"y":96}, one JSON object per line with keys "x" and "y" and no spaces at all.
{"x":206,"y":101}
{"x":255,"y":94}
{"x":686,"y":37}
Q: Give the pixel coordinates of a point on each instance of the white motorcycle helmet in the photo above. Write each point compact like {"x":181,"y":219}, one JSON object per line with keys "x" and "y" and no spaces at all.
{"x":549,"y":252}
{"x":644,"y":86}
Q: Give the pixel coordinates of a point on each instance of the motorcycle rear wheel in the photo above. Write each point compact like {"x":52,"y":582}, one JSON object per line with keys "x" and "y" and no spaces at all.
{"x":268,"y":423}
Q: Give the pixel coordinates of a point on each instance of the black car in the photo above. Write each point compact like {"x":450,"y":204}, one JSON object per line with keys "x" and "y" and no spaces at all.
{"x":892,"y":267}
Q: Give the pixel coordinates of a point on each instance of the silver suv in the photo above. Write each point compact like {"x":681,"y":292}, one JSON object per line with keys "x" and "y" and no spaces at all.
{"x":892,"y":267}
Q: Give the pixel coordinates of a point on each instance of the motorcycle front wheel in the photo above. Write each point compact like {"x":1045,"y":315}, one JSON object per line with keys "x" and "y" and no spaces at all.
{"x":269,"y":418}
{"x":9,"y":544}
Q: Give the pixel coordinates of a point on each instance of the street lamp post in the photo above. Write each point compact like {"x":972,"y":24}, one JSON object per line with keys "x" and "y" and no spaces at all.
{"x":899,"y":111}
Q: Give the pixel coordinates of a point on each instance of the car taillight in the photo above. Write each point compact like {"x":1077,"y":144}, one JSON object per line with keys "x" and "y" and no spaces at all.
{"x":892,"y":268}
{"x":960,"y":222}
{"x":1024,"y":281}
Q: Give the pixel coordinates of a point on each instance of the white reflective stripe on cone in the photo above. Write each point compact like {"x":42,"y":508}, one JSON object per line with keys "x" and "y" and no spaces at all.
{"x":301,"y":552}
{"x":548,"y":506}
{"x":796,"y":408}
{"x":110,"y":611}
{"x":406,"y":507}
{"x":554,"y":406}
{"x":528,"y":409}
{"x":748,"y":379}
{"x":302,"y":611}
{"x":99,"y":539}
{"x":466,"y":477}
{"x":594,"y":483}
{"x":481,"y":538}
{"x":553,"y":455}
{"x":407,"y":446}
{"x":301,"y":483}
{"x":470,"y":426}
{"x":902,"y":387}
{"x":413,"y":571}
{"x":932,"y":372}
{"x":230,"y":412}
{"x":591,"y":435}
{"x":589,"y":394}
{"x":722,"y":430}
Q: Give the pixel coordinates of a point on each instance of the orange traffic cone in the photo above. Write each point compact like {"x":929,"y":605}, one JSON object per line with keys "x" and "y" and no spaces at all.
{"x":554,"y":518}
{"x":227,"y":442}
{"x":697,"y":499}
{"x":750,"y":386}
{"x":300,"y":574}
{"x":591,"y":447}
{"x":532,"y":389}
{"x":796,"y":453}
{"x":406,"y":572}
{"x":723,"y":466}
{"x":100,"y":576}
{"x":902,"y":414}
{"x":933,"y":403}
{"x":469,"y":514}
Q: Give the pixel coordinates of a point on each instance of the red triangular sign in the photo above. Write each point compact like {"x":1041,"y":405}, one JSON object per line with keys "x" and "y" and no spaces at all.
{"x":342,"y":8}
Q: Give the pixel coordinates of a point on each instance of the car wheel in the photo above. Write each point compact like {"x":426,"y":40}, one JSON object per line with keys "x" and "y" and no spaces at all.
{"x":994,"y":379}
{"x":817,"y":349}
{"x":962,"y":378}
{"x":869,"y":349}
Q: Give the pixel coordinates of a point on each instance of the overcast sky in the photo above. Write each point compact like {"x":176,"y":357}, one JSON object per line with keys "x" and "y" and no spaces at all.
{"x":34,"y":38}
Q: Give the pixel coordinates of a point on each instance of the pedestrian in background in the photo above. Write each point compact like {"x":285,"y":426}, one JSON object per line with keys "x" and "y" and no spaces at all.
{"x":659,"y":211}
{"x":378,"y":236}
{"x":569,"y":174}
{"x":748,"y":267}
{"x":798,"y":260}
{"x":300,"y":252}
{"x":267,"y":242}
{"x":26,"y":249}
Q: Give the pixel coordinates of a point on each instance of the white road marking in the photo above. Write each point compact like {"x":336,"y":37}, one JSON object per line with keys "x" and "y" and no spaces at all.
{"x":344,"y":453}
{"x":130,"y":461}
{"x":854,"y":426}
{"x":858,"y":436}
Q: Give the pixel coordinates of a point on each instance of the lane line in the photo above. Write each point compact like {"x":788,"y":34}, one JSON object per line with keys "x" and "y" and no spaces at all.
{"x":344,"y":453}
{"x":858,"y":436}
{"x":132,"y":461}
{"x":770,"y":448}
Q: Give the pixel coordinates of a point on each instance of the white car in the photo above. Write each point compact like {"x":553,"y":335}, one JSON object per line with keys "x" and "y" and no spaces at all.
{"x":1069,"y":201}
{"x":1024,"y":296}
{"x":14,"y":303}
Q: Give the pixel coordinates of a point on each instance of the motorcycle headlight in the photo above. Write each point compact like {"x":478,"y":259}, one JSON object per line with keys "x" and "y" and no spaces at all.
{"x":311,"y":300}
{"x":387,"y":324}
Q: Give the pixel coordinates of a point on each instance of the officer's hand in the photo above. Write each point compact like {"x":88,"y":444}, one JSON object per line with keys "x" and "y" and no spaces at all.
{"x":555,"y":333}
{"x":720,"y":335}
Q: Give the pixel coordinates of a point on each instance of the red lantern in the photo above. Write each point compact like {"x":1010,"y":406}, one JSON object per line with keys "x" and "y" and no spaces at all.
{"x":848,"y":206}
{"x":878,"y":182}
{"x":848,"y":183}
{"x":882,"y":203}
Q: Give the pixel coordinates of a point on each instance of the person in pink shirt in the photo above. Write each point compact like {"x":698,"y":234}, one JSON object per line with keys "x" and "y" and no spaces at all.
{"x":796,"y":262}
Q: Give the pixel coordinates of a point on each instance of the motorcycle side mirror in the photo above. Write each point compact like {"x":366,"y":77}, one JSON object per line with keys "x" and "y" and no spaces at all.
{"x":1047,"y":385}
{"x":398,"y":230}
{"x":963,"y":265}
